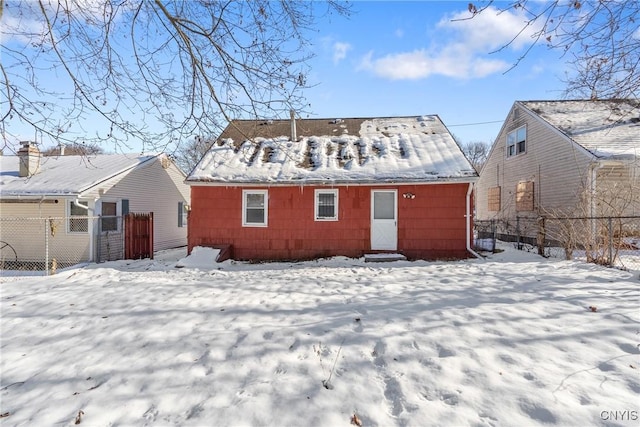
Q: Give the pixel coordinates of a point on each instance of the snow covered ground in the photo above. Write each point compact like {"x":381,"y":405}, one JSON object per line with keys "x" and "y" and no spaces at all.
{"x":509,"y":341}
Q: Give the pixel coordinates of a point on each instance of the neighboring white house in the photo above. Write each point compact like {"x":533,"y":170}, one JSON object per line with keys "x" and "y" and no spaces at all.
{"x":69,"y":191}
{"x":575,"y":158}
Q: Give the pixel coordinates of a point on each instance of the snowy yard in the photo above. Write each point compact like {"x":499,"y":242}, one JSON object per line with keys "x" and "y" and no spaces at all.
{"x":510,"y":341}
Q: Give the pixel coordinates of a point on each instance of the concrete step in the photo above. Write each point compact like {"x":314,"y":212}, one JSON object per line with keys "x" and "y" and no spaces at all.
{"x":389,"y":257}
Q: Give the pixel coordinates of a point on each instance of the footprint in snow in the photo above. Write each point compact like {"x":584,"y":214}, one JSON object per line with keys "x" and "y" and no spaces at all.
{"x":537,"y":412}
{"x":378,"y":352}
{"x":445,"y":352}
{"x":393,"y":394}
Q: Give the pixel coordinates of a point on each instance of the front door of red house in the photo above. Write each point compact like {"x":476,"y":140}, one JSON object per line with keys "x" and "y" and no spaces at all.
{"x":384,"y":220}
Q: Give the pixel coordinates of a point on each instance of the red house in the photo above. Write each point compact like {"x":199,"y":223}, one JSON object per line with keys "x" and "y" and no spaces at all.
{"x":311,"y":188}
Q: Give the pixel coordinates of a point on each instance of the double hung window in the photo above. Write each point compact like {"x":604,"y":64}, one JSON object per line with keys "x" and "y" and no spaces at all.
{"x":255,"y":207}
{"x":326,"y":205}
{"x":517,"y":142}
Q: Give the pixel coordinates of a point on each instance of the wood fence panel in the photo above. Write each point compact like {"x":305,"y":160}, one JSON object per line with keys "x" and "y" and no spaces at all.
{"x":138,"y":241}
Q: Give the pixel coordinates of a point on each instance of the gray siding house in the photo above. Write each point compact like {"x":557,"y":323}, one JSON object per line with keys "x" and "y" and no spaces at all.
{"x":562,"y":158}
{"x":68,"y":191}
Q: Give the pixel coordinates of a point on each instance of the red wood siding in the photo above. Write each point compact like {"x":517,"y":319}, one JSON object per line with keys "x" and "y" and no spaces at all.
{"x":431,"y":225}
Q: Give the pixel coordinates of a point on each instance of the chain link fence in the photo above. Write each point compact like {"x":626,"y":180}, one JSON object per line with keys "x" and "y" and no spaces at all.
{"x":610,"y":241}
{"x":47,"y":245}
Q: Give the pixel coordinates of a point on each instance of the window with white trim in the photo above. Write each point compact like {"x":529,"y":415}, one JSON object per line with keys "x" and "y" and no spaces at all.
{"x":255,"y":205}
{"x":326,"y":205}
{"x":78,"y":221}
{"x":517,"y":142}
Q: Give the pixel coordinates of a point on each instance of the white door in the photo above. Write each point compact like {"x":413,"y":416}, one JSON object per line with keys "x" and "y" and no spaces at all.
{"x":384,"y":223}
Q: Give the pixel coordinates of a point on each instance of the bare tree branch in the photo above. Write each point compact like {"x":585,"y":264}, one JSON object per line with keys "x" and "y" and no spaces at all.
{"x":158,"y":72}
{"x":601,"y":38}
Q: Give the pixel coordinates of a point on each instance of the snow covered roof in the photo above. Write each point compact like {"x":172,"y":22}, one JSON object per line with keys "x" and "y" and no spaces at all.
{"x":64,"y":175}
{"x":355,"y":150}
{"x":607,"y":128}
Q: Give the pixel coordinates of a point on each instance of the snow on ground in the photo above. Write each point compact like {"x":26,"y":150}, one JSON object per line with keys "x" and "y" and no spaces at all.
{"x":509,"y":341}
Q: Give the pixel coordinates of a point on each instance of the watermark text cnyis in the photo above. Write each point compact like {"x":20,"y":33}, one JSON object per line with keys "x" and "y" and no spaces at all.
{"x":618,"y":415}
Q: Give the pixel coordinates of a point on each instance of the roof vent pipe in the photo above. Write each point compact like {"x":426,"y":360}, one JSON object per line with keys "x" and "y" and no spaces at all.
{"x":294,"y":136}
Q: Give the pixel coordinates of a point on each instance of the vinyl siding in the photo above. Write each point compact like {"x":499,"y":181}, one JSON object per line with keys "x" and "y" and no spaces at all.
{"x":618,"y":190}
{"x":25,"y":226}
{"x":152,"y":188}
{"x":558,"y":168}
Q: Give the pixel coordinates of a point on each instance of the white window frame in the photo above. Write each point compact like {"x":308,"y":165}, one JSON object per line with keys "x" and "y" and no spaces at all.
{"x":245,"y":194}
{"x":118,"y":214}
{"x":316,"y":210}
{"x":513,"y":136}
{"x":82,"y":217}
{"x":183,"y":215}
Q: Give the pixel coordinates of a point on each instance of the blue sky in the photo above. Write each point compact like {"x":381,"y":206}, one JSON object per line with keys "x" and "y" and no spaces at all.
{"x":410,"y":58}
{"x":392,"y":58}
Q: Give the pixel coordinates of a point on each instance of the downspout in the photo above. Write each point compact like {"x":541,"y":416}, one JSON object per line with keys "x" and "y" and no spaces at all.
{"x":90,"y":229}
{"x":77,"y":204}
{"x":593,"y":191}
{"x":468,"y":217}
{"x":593,"y":188}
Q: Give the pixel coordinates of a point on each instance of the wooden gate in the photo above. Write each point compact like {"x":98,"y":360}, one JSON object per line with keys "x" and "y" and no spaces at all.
{"x":138,"y":238}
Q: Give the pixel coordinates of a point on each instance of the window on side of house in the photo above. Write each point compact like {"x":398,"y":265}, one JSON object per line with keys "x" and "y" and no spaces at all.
{"x":183,"y":213}
{"x":78,"y":221}
{"x":517,"y":142}
{"x":525,"y":197}
{"x":255,"y":205}
{"x":326,"y":205}
{"x":493,"y":199}
{"x":109,"y":219}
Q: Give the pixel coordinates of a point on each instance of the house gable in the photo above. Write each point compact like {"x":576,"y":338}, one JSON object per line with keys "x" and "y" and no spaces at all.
{"x":566,"y":140}
{"x":547,"y":173}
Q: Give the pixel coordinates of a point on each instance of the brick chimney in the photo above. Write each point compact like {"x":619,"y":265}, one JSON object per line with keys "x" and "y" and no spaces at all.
{"x":29,"y":157}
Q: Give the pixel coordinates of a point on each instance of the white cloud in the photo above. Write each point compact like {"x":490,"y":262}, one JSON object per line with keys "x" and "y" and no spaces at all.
{"x":420,"y":64}
{"x":340,"y":51}
{"x":24,"y":22}
{"x":466,"y":53}
{"x":491,"y":29}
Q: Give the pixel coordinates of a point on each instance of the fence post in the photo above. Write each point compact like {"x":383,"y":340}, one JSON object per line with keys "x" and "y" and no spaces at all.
{"x":518,"y":245}
{"x":610,"y":224}
{"x":46,"y":247}
{"x":494,"y":235}
{"x":541,"y":235}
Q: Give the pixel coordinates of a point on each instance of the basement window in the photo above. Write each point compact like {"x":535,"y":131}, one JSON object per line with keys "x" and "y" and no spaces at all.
{"x":326,"y":205}
{"x":255,"y":205}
